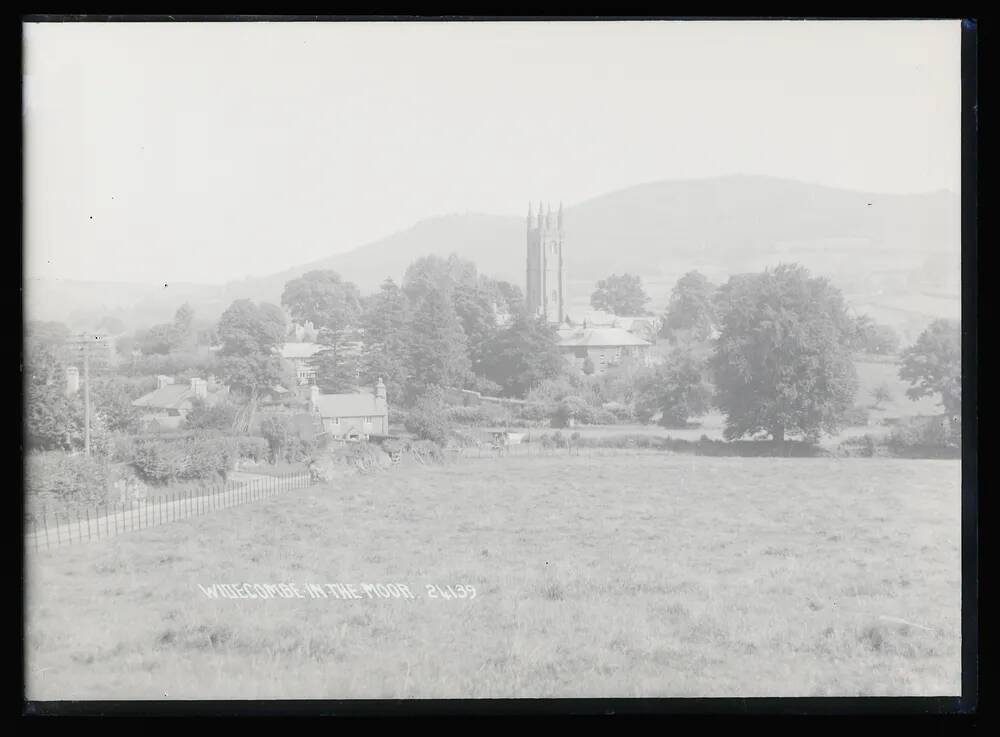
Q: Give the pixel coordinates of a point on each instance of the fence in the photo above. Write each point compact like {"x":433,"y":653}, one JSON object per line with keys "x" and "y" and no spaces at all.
{"x":89,"y":524}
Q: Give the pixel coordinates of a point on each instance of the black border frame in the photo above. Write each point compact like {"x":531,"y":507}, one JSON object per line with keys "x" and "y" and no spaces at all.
{"x":961,"y":710}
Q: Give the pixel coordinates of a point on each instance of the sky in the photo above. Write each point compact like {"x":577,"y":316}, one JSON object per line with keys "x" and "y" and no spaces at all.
{"x":208,"y":152}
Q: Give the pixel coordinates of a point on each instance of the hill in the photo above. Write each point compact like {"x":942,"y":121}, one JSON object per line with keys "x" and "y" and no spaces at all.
{"x":878,"y":248}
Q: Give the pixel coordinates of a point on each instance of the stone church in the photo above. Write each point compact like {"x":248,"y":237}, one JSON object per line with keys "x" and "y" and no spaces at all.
{"x":604,"y":339}
{"x":545,"y":288}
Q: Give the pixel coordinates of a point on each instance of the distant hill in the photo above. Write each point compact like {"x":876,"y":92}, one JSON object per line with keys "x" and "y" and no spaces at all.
{"x":876,"y":247}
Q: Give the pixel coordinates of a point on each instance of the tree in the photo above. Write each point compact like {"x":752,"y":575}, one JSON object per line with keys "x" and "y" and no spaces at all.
{"x":475,"y":310}
{"x":323,"y":298}
{"x":873,"y":337}
{"x":386,"y":353}
{"x":880,"y":395}
{"x":692,"y":306}
{"x":112,"y":398}
{"x":933,"y":365}
{"x":52,"y":420}
{"x":251,"y":336}
{"x":677,"y":389}
{"x":437,"y":345}
{"x":427,"y":419}
{"x":620,"y":295}
{"x":523,"y":355}
{"x":435,"y":274}
{"x":782,"y":363}
{"x":216,"y":416}
{"x":111,"y":325}
{"x":588,"y":365}
{"x":336,"y":365}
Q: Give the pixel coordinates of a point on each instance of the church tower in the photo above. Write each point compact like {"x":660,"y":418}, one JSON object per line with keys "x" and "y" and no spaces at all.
{"x":545,"y":289}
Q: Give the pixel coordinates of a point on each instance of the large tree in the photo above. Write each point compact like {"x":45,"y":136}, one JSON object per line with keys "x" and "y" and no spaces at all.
{"x":323,"y":298}
{"x":523,"y":355}
{"x":386,"y":351}
{"x":782,"y":362}
{"x":52,"y":420}
{"x":620,"y":295}
{"x":692,"y":306}
{"x":437,"y":345}
{"x":933,"y":365}
{"x":475,"y":307}
{"x":336,"y":364}
{"x":677,"y":389}
{"x":252,"y":335}
{"x":435,"y":274}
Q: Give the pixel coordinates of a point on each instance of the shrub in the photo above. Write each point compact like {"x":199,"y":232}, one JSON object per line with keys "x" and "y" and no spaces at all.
{"x":924,"y":432}
{"x":856,"y":417}
{"x":253,"y":448}
{"x":427,"y":419}
{"x":619,"y":411}
{"x":426,"y":451}
{"x":198,"y":456}
{"x":477,"y":415}
{"x":540,"y":412}
{"x":218,"y":416}
{"x":285,"y":441}
{"x":68,"y":479}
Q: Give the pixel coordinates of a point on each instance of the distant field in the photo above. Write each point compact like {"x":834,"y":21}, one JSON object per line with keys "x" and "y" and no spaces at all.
{"x":638,"y":575}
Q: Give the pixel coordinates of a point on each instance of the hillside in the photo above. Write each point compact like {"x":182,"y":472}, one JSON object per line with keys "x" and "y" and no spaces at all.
{"x":878,"y":248}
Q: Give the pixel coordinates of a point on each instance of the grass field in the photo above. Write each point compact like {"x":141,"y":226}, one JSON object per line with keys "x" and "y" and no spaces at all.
{"x":638,"y":575}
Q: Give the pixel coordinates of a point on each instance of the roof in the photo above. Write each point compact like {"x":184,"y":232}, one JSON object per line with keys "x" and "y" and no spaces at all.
{"x":599,"y":337}
{"x":172,"y":396}
{"x":301,"y":350}
{"x":349,"y":405}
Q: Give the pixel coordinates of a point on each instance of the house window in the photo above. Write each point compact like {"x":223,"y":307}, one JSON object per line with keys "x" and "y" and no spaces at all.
{"x":369,"y":420}
{"x":580,"y":352}
{"x":335,"y":421}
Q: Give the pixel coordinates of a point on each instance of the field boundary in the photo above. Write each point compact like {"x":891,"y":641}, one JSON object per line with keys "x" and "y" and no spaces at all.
{"x":86,"y":524}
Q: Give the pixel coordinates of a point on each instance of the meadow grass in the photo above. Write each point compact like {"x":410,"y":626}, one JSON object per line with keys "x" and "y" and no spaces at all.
{"x":639,"y":575}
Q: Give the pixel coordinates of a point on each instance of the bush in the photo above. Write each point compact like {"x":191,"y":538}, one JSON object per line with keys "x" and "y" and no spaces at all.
{"x":856,"y":417}
{"x":428,"y":419}
{"x":164,"y":460}
{"x":285,"y":441}
{"x":253,"y":448}
{"x":540,"y":412}
{"x":619,"y":411}
{"x":477,"y":415}
{"x":924,"y":432}
{"x":66,"y":479}
{"x":218,"y":416}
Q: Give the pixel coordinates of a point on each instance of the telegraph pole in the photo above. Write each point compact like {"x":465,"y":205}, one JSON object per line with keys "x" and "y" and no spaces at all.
{"x":85,"y":342}
{"x":86,"y":399}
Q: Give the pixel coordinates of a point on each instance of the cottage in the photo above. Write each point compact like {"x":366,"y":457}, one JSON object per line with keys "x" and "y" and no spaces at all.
{"x":356,"y":416}
{"x":603,"y":346}
{"x":301,"y":355}
{"x":168,"y":405}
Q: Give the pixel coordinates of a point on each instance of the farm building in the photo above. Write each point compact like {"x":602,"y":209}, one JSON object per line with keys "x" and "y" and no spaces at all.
{"x":604,"y":346}
{"x":167,"y":406}
{"x":352,"y":416}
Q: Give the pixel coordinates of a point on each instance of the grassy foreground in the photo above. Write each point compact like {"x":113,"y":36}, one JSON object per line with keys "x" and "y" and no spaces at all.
{"x":638,"y":575}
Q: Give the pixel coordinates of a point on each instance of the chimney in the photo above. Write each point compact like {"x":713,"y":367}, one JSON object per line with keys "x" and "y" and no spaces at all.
{"x":314,"y":398}
{"x":72,"y":380}
{"x":199,"y":388}
{"x":162,"y":381}
{"x":380,"y":401}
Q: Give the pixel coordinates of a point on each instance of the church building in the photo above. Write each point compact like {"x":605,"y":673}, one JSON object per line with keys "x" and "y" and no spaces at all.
{"x":545,"y":289}
{"x":605,"y":345}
